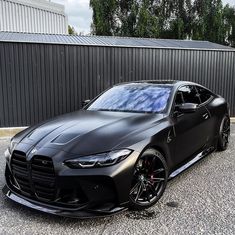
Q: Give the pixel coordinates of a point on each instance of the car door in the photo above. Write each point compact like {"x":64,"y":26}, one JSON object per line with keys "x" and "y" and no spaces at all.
{"x":189,"y":127}
{"x":212,"y":126}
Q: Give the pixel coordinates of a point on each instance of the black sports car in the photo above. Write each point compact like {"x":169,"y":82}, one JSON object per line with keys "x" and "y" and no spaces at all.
{"x":119,"y":151}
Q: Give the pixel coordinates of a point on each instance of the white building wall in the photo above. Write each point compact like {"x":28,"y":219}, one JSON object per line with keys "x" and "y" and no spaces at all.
{"x":32,"y":16}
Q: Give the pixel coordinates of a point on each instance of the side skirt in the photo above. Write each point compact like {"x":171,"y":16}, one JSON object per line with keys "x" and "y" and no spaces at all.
{"x":197,"y":158}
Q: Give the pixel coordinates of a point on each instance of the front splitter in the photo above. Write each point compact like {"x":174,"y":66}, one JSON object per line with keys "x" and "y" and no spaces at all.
{"x":80,"y":213}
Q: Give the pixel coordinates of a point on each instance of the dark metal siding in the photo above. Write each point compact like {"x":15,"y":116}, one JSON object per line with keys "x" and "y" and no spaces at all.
{"x":39,"y":81}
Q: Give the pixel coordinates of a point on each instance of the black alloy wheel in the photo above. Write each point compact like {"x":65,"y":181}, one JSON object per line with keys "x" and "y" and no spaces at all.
{"x":224,"y":134}
{"x":149,"y":180}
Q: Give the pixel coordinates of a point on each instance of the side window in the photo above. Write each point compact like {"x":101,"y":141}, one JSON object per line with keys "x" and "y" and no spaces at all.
{"x":189,"y":94}
{"x":179,"y":98}
{"x":205,"y":95}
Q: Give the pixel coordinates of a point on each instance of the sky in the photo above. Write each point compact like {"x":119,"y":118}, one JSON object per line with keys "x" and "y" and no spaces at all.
{"x":80,"y":14}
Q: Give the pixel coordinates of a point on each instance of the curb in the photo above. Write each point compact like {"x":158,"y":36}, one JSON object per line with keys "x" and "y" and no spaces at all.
{"x":11,"y":131}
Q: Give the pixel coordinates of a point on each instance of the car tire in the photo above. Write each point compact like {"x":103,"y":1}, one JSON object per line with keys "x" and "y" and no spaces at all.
{"x":149,"y":180}
{"x":224,"y":134}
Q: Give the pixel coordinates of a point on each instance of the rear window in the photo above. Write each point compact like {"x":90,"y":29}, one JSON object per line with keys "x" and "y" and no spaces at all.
{"x":204,"y":94}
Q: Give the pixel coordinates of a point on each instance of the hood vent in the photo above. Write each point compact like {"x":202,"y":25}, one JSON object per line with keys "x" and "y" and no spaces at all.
{"x":64,"y":138}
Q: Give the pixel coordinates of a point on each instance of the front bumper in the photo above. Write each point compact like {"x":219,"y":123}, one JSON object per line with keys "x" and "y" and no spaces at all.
{"x":72,"y":213}
{"x":103,"y":191}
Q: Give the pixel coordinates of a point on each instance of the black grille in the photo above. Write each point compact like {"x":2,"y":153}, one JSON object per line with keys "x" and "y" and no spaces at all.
{"x":35,"y":177}
{"x":20,"y":172}
{"x":43,"y":177}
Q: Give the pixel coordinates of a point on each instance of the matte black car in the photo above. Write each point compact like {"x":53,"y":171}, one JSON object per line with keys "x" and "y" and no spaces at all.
{"x":119,"y":151}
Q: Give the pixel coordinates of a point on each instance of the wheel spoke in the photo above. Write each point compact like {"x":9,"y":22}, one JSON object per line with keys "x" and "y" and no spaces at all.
{"x":149,"y":198}
{"x":151,"y":188}
{"x":135,"y":187}
{"x":140,"y":191}
{"x":157,"y":180}
{"x":225,"y":137}
{"x":158,"y":171}
{"x":137,"y":170}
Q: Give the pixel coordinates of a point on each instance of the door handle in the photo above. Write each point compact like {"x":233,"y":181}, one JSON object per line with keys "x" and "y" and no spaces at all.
{"x":205,"y":116}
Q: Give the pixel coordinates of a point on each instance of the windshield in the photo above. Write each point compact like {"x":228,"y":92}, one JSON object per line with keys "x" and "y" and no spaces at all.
{"x":134,"y":98}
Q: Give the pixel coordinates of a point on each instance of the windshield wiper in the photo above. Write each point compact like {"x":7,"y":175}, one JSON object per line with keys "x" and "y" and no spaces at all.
{"x":126,"y":111}
{"x":111,"y":110}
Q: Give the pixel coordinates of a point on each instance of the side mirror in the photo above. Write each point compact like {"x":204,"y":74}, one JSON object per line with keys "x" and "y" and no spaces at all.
{"x":187,"y":108}
{"x":85,"y":103}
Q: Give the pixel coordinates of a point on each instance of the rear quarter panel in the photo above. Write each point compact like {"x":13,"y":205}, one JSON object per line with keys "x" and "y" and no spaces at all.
{"x":218,"y":108}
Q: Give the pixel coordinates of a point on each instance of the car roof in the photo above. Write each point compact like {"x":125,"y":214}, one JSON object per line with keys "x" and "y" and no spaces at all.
{"x":175,"y":83}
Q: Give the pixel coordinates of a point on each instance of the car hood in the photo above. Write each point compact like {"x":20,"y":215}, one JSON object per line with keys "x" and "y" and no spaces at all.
{"x":88,"y":132}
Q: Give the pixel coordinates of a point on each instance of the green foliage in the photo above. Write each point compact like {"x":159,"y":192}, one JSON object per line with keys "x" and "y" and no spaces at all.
{"x":208,"y":20}
{"x":176,"y":19}
{"x":229,"y":25}
{"x":104,"y":17}
{"x":147,"y":23}
{"x":179,"y":19}
{"x":71,"y":30}
{"x":128,"y":11}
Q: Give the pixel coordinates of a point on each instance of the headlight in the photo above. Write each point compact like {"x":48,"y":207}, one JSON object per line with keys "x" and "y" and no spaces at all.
{"x":99,"y":160}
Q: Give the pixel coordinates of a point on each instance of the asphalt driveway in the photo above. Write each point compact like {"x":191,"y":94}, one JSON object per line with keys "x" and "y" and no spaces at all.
{"x":199,"y":201}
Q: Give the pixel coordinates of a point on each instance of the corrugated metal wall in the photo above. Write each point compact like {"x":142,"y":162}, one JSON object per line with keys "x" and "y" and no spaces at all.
{"x":16,"y":16}
{"x":39,"y":81}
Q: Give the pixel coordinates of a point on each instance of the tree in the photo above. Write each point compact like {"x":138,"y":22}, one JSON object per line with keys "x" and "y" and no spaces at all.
{"x":182,"y":23}
{"x":104,"y":17}
{"x":229,"y":25}
{"x":147,"y":24}
{"x":175,"y":19}
{"x":179,"y":19}
{"x":128,"y":11}
{"x":72,"y":30}
{"x":208,"y":20}
{"x":124,"y":18}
